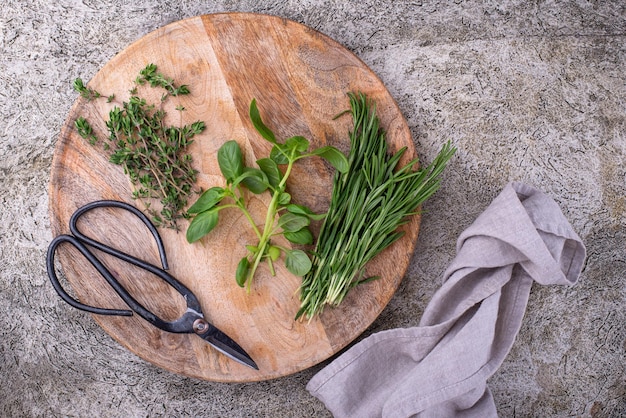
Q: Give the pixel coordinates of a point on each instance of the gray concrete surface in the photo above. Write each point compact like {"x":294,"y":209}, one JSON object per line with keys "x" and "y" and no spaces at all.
{"x":530,"y":91}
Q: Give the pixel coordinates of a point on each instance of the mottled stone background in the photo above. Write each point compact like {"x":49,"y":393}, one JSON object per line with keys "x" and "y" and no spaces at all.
{"x":533,"y":91}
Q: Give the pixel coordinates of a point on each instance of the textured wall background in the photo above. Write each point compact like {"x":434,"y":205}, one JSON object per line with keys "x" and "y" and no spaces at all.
{"x":529,"y":91}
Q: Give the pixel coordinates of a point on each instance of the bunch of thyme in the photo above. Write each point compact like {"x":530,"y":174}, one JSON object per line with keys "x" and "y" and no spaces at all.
{"x":152,"y":154}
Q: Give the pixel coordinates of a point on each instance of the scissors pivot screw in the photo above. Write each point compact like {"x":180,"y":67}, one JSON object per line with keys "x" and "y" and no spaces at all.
{"x":200,"y":326}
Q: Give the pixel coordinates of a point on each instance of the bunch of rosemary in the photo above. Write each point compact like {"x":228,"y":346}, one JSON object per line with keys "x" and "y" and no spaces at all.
{"x":369,"y":202}
{"x":152,"y":154}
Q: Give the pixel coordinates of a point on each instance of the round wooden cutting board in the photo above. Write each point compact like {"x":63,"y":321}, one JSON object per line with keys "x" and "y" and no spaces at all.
{"x":300,"y":79}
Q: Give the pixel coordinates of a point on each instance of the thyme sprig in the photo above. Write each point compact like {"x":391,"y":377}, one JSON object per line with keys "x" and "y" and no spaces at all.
{"x":151,"y":76}
{"x":152,"y":154}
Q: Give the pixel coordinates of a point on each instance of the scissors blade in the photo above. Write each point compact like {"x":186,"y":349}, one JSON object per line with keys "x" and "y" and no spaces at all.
{"x":226,"y":345}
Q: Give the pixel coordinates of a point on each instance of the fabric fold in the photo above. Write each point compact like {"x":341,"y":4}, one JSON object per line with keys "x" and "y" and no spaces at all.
{"x":440,"y":367}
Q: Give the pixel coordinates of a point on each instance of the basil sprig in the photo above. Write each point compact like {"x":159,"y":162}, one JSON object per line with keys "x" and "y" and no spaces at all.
{"x":282,"y":218}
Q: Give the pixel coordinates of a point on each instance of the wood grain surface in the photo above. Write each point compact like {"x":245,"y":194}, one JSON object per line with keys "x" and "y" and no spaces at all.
{"x":300,"y":79}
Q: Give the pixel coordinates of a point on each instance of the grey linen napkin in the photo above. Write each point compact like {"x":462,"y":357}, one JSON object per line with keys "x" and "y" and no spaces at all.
{"x":440,"y":368}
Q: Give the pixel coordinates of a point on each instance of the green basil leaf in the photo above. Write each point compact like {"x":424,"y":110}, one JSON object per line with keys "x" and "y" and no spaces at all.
{"x":297,"y":143}
{"x":255,"y":117}
{"x":270,"y":168}
{"x":207,"y":200}
{"x":247,"y":173}
{"x":299,"y":209}
{"x":291,"y":222}
{"x":334,"y":157}
{"x":230,"y":160}
{"x":255,"y":180}
{"x":202,"y":224}
{"x":241,"y":274}
{"x":273,"y":253}
{"x":303,"y":210}
{"x":302,"y":236}
{"x":284,"y":198}
{"x":297,"y":262}
{"x":279,"y":154}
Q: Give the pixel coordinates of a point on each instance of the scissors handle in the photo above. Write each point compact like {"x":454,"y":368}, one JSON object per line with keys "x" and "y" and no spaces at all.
{"x":96,"y":244}
{"x":94,"y":262}
{"x":184,"y":324}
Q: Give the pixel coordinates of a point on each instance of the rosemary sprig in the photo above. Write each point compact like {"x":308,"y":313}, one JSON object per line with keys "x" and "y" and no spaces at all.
{"x":152,"y":154}
{"x":368,"y":204}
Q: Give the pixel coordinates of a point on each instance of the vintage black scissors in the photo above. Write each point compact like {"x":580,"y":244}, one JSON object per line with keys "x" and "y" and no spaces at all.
{"x":192,"y":321}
